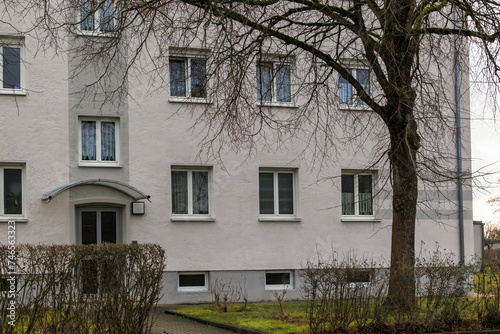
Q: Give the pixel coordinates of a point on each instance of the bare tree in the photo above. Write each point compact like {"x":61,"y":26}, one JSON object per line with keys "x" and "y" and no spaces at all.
{"x":407,"y":105}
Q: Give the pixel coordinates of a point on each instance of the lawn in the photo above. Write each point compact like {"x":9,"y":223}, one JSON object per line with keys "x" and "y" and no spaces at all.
{"x":264,"y":317}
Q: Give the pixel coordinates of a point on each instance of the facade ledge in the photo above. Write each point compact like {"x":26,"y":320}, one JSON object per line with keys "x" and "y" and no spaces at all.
{"x":280,"y":219}
{"x":181,"y":99}
{"x":192,"y":219}
{"x":15,"y":219}
{"x":276,"y":104}
{"x":7,"y":91}
{"x":361,"y":219}
{"x":100,"y":164}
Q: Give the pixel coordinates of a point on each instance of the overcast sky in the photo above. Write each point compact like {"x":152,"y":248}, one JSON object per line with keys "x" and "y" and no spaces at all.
{"x":485,"y":154}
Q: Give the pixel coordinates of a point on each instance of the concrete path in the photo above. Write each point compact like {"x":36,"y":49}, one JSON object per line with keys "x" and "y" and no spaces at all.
{"x":177,"y":325}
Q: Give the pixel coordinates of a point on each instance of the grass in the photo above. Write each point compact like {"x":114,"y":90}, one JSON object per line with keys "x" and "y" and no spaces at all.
{"x":264,"y":317}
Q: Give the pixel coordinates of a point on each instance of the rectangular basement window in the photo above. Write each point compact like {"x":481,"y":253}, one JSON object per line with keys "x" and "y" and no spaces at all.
{"x":193,"y":281}
{"x":279,"y":280}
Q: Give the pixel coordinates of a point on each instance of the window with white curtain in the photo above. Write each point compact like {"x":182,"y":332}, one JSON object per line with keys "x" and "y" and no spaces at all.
{"x":348,"y":96}
{"x":188,"y":78}
{"x":97,"y":16}
{"x":274,"y":84}
{"x":12,"y":66}
{"x":99,"y":141}
{"x":357,"y":194}
{"x":277,"y":192}
{"x":190,"y":191}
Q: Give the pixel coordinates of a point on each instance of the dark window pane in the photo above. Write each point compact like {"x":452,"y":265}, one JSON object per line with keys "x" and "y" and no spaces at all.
{"x":89,"y":227}
{"x":12,"y":182}
{"x":106,"y":16}
{"x":345,"y":90}
{"x":179,"y":192}
{"x":285,"y":193}
{"x":277,"y":278}
{"x":365,"y":194}
{"x":89,"y":276}
{"x":363,"y":77}
{"x":264,"y":81}
{"x":177,"y":77}
{"x":283,"y":86}
{"x":87,"y":15}
{"x":198,"y":78}
{"x":108,"y":141}
{"x":357,"y":275}
{"x":108,"y":227}
{"x":88,"y":140}
{"x":190,"y":280}
{"x":4,"y":284}
{"x":266,"y":193}
{"x":200,"y":193}
{"x":347,"y":194}
{"x":11,"y":67}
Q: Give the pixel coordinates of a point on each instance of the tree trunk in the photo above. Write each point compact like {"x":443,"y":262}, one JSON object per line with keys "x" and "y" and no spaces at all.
{"x":404,"y":145}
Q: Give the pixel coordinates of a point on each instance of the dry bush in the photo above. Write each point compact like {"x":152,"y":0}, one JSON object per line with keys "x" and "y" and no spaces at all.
{"x":106,"y":288}
{"x":224,"y":295}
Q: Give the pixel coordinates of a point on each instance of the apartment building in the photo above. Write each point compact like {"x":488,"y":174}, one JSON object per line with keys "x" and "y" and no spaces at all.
{"x":79,"y":169}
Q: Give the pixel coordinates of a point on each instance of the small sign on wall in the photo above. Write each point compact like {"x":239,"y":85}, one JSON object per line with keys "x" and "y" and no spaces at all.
{"x":138,"y":208}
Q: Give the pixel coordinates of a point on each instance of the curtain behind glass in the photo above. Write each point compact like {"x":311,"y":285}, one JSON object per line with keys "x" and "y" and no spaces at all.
{"x":264,"y":81}
{"x":106,"y":11}
{"x":11,"y":67}
{"x":200,"y":193}
{"x":179,"y":192}
{"x":108,"y":141}
{"x":363,"y":77}
{"x":365,"y":194}
{"x":12,"y":191}
{"x":266,"y":193}
{"x":88,"y":140}
{"x":285,"y":193}
{"x":177,"y":77}
{"x":86,"y":15}
{"x":283,"y":86}
{"x":348,"y":194}
{"x":198,"y":77}
{"x":345,"y":90}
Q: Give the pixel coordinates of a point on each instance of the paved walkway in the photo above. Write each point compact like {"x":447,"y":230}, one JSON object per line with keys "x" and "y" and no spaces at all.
{"x":177,"y":325}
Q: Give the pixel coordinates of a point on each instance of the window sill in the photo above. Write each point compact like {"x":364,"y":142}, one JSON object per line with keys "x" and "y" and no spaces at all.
{"x":354,"y":107}
{"x":193,"y":289}
{"x":15,"y":219}
{"x":361,"y":219}
{"x":192,"y":219}
{"x":94,"y":33}
{"x":278,"y":287}
{"x":276,"y":104}
{"x":181,"y":99}
{"x":100,"y":164}
{"x":7,"y":91}
{"x":280,"y":219}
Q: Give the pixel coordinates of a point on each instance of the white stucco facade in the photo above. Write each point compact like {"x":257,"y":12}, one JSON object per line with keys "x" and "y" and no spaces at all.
{"x":41,"y":133}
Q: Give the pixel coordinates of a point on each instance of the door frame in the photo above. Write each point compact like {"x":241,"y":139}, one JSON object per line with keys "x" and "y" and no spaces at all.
{"x":99,"y":208}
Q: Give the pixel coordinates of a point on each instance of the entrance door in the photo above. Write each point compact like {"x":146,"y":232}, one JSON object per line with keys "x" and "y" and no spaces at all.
{"x":99,"y":225}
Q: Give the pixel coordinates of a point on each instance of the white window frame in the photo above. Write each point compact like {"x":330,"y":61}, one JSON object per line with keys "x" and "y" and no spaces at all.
{"x":98,"y":162}
{"x":192,"y":288}
{"x":356,"y":216}
{"x":13,"y":43}
{"x":99,"y":210}
{"x":190,"y":216}
{"x":4,"y":217}
{"x":277,"y":216}
{"x":97,"y":21}
{"x":357,"y":103}
{"x":187,"y":58}
{"x":279,"y":286}
{"x":276,"y":61}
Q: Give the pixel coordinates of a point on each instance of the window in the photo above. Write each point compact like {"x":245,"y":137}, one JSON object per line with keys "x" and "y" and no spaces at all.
{"x":99,"y":142}
{"x":12,"y":67}
{"x":188,"y":78}
{"x":12,"y":196}
{"x":190,"y":191}
{"x":277,"y":192}
{"x":279,"y":280}
{"x":347,"y":94}
{"x":357,"y":194}
{"x":193,"y":281}
{"x":274,"y":82}
{"x":354,"y":275}
{"x":97,"y":16}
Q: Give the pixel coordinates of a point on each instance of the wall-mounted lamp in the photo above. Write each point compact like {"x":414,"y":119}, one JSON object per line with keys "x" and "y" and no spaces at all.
{"x":138,"y":208}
